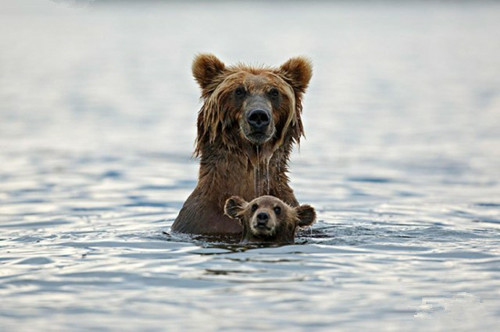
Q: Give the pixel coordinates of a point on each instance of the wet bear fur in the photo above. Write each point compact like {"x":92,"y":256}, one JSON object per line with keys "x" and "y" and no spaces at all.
{"x":246,"y":127}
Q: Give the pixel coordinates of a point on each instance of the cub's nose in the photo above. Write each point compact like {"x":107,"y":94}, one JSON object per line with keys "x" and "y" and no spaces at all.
{"x":258,"y":119}
{"x":262,"y":218}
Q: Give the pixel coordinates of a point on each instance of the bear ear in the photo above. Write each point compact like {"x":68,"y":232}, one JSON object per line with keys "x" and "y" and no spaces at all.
{"x":306,"y":215}
{"x":297,"y":72}
{"x":234,"y":205}
{"x":206,"y":67}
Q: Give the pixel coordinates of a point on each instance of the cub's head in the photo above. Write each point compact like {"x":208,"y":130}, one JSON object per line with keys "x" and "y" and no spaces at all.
{"x":268,"y":219}
{"x":250,"y":105}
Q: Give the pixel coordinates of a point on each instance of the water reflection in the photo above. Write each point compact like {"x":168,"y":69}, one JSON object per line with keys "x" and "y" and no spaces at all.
{"x":401,"y":161}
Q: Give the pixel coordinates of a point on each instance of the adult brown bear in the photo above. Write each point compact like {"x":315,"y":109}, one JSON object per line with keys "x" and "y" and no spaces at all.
{"x":250,"y":118}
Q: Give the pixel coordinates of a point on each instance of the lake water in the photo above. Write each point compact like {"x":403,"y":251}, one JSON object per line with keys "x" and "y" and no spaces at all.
{"x":401,"y":161}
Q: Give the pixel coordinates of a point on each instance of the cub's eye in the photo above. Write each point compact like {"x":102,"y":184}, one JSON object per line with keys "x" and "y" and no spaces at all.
{"x":274,"y":93}
{"x":277,"y":210}
{"x":239,"y":92}
{"x":254,"y":207}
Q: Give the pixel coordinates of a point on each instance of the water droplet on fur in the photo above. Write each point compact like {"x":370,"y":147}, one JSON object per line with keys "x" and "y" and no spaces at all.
{"x":256,"y":174}
{"x":268,"y":161}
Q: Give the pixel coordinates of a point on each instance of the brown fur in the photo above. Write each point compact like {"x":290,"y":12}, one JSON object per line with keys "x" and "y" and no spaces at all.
{"x":233,"y":162}
{"x":282,"y":224}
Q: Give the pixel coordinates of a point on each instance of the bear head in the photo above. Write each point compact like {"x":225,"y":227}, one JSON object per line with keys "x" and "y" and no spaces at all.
{"x":245,"y":105}
{"x":269,"y":219}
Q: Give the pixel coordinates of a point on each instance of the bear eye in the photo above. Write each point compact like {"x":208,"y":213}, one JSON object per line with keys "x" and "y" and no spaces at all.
{"x":254,"y":207}
{"x":274,"y":93}
{"x":239,"y":92}
{"x":277,"y":210}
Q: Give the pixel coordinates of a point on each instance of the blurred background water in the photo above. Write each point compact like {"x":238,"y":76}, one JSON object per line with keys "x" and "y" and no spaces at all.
{"x":401,"y":161}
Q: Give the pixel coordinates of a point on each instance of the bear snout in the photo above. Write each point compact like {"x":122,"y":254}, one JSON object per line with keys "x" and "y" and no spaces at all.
{"x":259,"y":119}
{"x":262,"y":219}
{"x":258,"y":127}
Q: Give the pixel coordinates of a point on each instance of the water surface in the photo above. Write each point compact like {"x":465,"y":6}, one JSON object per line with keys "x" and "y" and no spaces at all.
{"x":401,"y":161}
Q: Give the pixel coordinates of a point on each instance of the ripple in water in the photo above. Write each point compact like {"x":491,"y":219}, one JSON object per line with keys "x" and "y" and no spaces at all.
{"x":401,"y":163}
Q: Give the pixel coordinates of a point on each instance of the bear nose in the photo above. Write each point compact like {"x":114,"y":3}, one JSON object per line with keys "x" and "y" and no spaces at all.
{"x":262,"y":218}
{"x":258,"y":119}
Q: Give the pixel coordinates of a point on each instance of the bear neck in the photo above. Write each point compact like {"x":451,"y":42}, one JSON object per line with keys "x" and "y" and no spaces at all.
{"x":245,"y":170}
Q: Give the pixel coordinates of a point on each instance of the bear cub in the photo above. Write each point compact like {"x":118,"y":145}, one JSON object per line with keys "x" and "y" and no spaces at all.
{"x":267,"y":219}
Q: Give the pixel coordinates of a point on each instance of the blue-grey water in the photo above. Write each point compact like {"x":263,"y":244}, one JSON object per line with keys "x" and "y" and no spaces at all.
{"x":401,"y":161}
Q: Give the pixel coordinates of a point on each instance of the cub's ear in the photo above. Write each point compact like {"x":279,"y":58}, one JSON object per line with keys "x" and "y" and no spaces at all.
{"x":297,"y":72}
{"x":306,"y":215}
{"x":206,"y":67}
{"x":234,"y":206}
